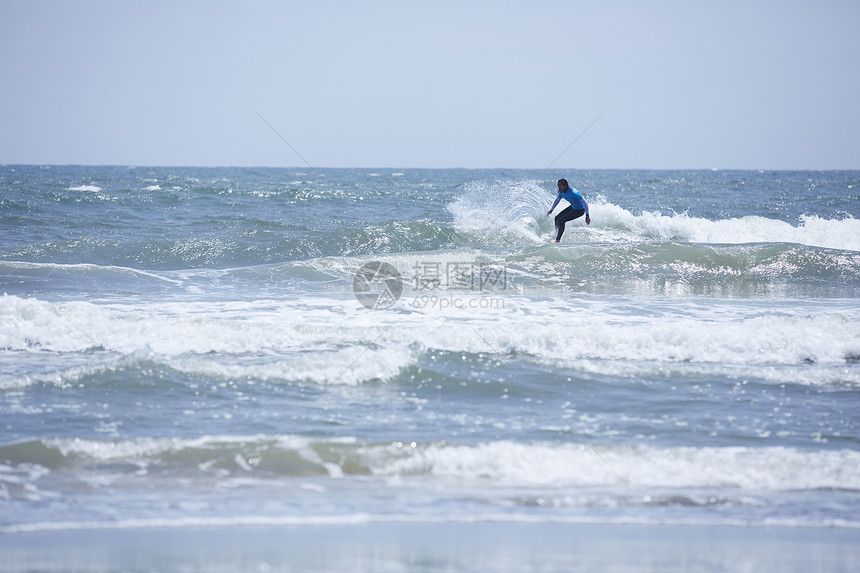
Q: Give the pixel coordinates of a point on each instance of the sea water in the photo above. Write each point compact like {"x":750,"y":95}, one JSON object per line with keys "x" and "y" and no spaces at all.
{"x":232,"y":346}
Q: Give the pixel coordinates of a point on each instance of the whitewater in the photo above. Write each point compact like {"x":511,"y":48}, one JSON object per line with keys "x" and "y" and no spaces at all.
{"x":195,"y":346}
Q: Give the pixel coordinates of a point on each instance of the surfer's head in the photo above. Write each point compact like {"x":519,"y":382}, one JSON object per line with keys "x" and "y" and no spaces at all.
{"x":562,"y":184}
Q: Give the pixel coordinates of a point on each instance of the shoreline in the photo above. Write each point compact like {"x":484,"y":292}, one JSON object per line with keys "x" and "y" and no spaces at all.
{"x":366,"y":519}
{"x":439,"y":546}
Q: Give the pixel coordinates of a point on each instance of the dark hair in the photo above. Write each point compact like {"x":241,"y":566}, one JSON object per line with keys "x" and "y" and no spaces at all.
{"x":564,"y":181}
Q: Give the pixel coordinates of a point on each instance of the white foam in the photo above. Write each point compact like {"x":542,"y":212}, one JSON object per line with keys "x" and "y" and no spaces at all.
{"x":503,"y":211}
{"x":309,"y":339}
{"x":572,"y":330}
{"x":168,"y":329}
{"x":90,"y":188}
{"x":517,"y":464}
{"x":648,"y":226}
{"x":153,"y":448}
{"x":507,"y":463}
{"x":346,"y":366}
{"x":88,"y":270}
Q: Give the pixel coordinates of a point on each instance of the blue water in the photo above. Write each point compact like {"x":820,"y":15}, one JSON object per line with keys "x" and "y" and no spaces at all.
{"x":187,"y":346}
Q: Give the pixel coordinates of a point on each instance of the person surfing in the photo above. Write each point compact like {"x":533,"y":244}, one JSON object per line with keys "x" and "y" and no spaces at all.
{"x":576,"y":209}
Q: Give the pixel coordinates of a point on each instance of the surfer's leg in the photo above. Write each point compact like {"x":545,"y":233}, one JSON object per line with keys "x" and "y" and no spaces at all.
{"x":560,"y":220}
{"x":568,"y":214}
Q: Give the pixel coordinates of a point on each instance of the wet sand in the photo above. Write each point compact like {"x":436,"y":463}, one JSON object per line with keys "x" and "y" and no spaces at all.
{"x":434,"y":547}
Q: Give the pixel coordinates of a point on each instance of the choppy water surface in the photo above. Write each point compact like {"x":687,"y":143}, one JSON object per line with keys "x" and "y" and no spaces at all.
{"x":184,"y":346}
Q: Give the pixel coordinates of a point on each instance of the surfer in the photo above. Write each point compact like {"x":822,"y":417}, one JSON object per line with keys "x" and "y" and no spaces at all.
{"x":576,"y":209}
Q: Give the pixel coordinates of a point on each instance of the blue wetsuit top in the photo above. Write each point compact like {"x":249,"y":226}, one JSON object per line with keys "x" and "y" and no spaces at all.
{"x":573,"y":197}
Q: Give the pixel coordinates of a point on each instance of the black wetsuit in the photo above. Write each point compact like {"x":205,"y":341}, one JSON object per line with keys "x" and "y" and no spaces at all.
{"x":568,"y":214}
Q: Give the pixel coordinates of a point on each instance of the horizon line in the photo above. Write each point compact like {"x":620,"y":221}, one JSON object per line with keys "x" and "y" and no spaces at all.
{"x":304,"y":167}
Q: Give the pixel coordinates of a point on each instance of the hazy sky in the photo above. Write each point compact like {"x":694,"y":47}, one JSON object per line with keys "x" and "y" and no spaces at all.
{"x":688,"y":84}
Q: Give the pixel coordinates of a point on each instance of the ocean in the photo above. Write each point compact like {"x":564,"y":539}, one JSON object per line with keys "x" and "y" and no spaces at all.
{"x":193,"y":348}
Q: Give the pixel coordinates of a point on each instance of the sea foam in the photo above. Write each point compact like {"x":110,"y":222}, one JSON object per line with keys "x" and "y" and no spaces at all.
{"x":514,"y":212}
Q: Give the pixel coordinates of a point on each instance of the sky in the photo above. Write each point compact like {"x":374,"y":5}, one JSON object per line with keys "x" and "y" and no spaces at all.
{"x":477,"y":84}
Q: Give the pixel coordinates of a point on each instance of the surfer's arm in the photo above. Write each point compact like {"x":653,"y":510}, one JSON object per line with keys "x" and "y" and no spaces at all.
{"x":587,"y":216}
{"x":557,"y":199}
